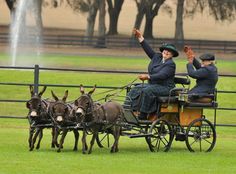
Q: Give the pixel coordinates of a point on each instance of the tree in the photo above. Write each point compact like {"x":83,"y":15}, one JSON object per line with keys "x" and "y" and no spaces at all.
{"x":179,"y":31}
{"x":92,"y":7}
{"x":11,"y":5}
{"x":141,"y":12}
{"x":114,"y":9}
{"x":220,"y":10}
{"x":101,"y":24}
{"x":152,"y":8}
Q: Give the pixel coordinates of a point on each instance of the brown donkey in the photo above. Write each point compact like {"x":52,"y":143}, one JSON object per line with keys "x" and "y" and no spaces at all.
{"x":98,"y":118}
{"x":38,"y":117}
{"x":64,"y":121}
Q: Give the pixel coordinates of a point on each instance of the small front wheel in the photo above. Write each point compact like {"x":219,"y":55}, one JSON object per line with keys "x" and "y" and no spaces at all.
{"x":161,"y":136}
{"x":103,"y":140}
{"x":200,"y":136}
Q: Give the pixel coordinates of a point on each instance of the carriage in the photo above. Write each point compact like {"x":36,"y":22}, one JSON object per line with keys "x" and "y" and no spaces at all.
{"x":179,"y":117}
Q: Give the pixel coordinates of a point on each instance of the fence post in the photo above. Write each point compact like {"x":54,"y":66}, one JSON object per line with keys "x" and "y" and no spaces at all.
{"x":36,"y":79}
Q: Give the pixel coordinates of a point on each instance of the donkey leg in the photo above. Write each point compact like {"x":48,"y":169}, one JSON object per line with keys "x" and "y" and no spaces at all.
{"x":31,"y":133}
{"x":55,"y":136}
{"x":40,"y":138}
{"x":84,"y":144}
{"x":64,"y":133}
{"x":55,"y":133}
{"x":92,"y":142}
{"x":34,"y":139}
{"x":76,"y":135}
{"x":116,"y":135}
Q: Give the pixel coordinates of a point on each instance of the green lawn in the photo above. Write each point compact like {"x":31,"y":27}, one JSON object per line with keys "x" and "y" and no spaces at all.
{"x":134,"y":156}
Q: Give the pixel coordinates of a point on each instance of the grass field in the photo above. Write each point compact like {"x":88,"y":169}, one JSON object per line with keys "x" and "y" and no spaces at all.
{"x":134,"y":156}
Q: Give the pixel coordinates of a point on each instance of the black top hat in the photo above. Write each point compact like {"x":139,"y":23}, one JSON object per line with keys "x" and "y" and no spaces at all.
{"x":207,"y":56}
{"x":169,"y":47}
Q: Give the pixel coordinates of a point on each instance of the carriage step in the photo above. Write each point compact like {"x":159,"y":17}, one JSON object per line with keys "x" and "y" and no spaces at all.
{"x":130,"y":135}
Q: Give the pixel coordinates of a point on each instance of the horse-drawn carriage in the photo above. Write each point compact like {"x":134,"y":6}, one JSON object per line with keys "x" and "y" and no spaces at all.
{"x":179,"y":116}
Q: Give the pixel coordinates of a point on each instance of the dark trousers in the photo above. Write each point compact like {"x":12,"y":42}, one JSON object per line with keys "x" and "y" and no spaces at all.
{"x":143,"y":97}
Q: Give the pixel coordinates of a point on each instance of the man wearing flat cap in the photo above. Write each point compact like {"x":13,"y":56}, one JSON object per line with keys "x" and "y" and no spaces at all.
{"x":160,"y":77}
{"x":205,"y":72}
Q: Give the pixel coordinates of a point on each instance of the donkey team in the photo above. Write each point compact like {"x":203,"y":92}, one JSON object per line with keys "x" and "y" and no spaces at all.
{"x":82,"y":114}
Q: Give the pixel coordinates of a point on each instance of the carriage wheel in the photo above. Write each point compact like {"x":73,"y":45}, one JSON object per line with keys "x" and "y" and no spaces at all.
{"x":161,"y":137}
{"x":103,"y":140}
{"x":200,"y":136}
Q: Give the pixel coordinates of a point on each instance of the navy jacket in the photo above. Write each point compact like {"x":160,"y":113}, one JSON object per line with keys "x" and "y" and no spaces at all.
{"x":207,"y":77}
{"x":159,"y":72}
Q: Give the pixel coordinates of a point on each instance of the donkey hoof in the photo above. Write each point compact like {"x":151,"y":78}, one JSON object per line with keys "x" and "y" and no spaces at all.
{"x":59,"y":150}
{"x":75,"y":149}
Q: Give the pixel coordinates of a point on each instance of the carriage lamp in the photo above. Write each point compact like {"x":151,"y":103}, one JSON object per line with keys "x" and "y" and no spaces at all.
{"x":183,"y":98}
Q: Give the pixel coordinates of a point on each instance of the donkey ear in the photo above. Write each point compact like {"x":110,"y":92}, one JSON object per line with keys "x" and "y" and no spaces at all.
{"x":31,"y":90}
{"x":76,"y":102}
{"x":43,"y":90}
{"x":28,"y":105}
{"x":54,"y":96}
{"x":81,"y":89}
{"x":90,"y":92}
{"x":65,"y":96}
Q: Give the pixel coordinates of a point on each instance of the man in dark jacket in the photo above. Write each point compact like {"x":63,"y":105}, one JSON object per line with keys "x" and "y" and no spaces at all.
{"x":161,"y":72}
{"x":205,"y":72}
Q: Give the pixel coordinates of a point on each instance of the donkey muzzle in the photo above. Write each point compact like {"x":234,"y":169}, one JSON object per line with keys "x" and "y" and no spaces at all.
{"x":33,"y":114}
{"x":79,"y":112}
{"x":59,"y":118}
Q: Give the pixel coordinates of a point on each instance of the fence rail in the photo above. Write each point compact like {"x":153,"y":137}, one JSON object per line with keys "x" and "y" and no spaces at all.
{"x":127,"y":42}
{"x":36,"y":84}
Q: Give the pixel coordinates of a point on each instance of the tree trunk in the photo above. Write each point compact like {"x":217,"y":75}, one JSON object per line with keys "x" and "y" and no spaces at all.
{"x":91,"y":22}
{"x":148,"y":30}
{"x":11,"y":6}
{"x":38,"y":16}
{"x":140,"y":14}
{"x":114,"y":12}
{"x":101,"y":42}
{"x":179,"y":31}
{"x":152,"y":8}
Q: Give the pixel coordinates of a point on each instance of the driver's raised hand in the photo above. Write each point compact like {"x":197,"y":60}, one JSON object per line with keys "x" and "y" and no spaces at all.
{"x":138,"y":35}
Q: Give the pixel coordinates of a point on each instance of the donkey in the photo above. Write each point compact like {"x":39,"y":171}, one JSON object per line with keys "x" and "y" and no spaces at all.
{"x":37,"y":115}
{"x":96,"y":117}
{"x":64,"y":121}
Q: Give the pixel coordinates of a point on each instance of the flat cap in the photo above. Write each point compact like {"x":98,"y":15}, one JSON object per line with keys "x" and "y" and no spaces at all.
{"x":207,"y":56}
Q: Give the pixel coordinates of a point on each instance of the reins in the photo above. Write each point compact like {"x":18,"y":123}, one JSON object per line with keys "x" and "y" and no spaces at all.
{"x":115,"y":93}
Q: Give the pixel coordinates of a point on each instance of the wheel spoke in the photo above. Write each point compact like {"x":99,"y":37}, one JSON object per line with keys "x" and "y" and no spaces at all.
{"x":207,"y":141}
{"x":193,"y":142}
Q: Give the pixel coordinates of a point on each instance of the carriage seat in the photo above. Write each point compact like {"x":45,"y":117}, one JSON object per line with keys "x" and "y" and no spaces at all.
{"x":201,"y":100}
{"x":173,"y":95}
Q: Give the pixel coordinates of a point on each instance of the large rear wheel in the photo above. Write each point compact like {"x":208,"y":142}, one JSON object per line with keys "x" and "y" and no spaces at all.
{"x":161,"y":136}
{"x":200,"y":136}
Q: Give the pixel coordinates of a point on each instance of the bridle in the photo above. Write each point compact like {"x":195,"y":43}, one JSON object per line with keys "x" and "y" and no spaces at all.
{"x":87,"y":110}
{"x":58,"y":103}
